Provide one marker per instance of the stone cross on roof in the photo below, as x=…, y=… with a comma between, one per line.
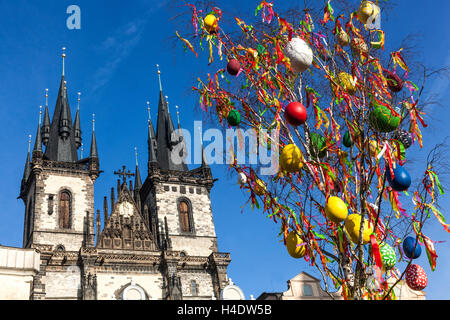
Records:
x=124, y=174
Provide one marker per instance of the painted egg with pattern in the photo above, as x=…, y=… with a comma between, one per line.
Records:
x=388, y=256
x=416, y=278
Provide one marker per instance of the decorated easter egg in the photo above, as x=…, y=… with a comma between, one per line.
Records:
x=242, y=178
x=383, y=119
x=234, y=118
x=291, y=158
x=395, y=84
x=319, y=145
x=233, y=67
x=294, y=246
x=408, y=248
x=366, y=10
x=343, y=38
x=352, y=226
x=401, y=179
x=295, y=114
x=259, y=187
x=388, y=257
x=300, y=54
x=211, y=23
x=347, y=140
x=404, y=137
x=336, y=210
x=348, y=83
x=416, y=278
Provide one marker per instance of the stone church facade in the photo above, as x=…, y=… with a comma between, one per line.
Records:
x=154, y=239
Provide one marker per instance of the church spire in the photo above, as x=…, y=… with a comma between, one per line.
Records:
x=27, y=169
x=61, y=144
x=167, y=138
x=137, y=177
x=38, y=142
x=77, y=124
x=151, y=138
x=45, y=130
x=94, y=153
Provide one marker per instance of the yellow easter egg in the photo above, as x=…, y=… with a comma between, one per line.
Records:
x=336, y=209
x=210, y=23
x=292, y=242
x=291, y=158
x=347, y=82
x=352, y=226
x=365, y=11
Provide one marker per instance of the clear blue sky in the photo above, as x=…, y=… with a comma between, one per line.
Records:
x=112, y=59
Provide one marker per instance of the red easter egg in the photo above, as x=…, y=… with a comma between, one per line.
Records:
x=416, y=278
x=295, y=114
x=233, y=67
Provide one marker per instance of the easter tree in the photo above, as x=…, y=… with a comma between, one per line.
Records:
x=345, y=113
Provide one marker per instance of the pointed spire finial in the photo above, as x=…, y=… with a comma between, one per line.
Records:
x=29, y=143
x=40, y=116
x=93, y=122
x=64, y=58
x=81, y=151
x=46, y=97
x=136, y=154
x=178, y=117
x=167, y=101
x=79, y=99
x=159, y=77
x=149, y=114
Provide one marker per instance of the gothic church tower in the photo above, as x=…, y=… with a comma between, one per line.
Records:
x=58, y=188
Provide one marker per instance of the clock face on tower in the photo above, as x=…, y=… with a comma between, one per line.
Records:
x=125, y=209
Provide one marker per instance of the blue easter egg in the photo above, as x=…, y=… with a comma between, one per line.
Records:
x=401, y=180
x=408, y=248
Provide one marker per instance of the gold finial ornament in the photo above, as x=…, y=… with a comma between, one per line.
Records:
x=64, y=58
x=93, y=122
x=159, y=77
x=149, y=114
x=79, y=99
x=81, y=151
x=46, y=97
x=40, y=115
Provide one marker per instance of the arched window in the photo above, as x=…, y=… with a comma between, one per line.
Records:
x=185, y=216
x=65, y=207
